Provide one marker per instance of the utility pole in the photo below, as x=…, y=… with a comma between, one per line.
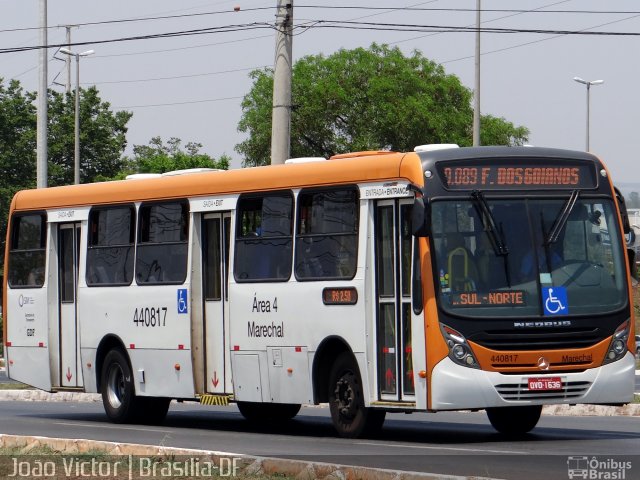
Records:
x=41, y=136
x=281, y=114
x=476, y=96
x=67, y=60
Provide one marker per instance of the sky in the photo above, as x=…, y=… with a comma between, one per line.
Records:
x=191, y=86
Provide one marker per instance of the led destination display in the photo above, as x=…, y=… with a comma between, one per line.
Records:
x=483, y=176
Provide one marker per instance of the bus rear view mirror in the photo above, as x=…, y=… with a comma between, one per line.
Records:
x=420, y=218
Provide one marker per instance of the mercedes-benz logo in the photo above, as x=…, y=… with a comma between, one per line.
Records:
x=543, y=363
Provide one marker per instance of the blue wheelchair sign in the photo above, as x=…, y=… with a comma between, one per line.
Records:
x=182, y=301
x=554, y=301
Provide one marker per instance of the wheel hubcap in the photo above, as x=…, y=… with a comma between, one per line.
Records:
x=115, y=386
x=345, y=397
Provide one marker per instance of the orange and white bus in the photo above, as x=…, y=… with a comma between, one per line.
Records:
x=439, y=279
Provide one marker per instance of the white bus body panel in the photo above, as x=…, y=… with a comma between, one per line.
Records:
x=155, y=349
x=28, y=333
x=455, y=387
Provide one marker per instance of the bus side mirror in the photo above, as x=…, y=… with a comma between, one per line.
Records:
x=420, y=218
x=626, y=226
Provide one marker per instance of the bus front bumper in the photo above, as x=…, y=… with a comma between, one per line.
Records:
x=454, y=387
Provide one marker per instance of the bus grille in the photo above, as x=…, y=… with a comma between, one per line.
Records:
x=541, y=339
x=520, y=391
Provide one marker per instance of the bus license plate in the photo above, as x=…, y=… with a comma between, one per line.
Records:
x=545, y=384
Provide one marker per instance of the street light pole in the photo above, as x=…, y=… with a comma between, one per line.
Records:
x=76, y=157
x=588, y=84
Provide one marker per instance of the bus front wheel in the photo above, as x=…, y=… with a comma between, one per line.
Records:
x=514, y=420
x=350, y=417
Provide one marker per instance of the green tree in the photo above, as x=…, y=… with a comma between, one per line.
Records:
x=17, y=147
x=102, y=141
x=367, y=99
x=159, y=158
x=102, y=138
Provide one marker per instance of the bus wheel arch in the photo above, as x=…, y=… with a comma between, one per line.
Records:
x=108, y=343
x=325, y=356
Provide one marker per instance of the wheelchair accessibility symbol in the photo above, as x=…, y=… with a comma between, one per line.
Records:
x=182, y=301
x=554, y=301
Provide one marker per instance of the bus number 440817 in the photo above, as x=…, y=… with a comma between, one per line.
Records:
x=150, y=317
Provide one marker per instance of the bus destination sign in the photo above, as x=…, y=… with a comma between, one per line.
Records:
x=485, y=176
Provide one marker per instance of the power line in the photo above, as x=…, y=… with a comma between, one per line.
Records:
x=179, y=103
x=182, y=48
x=482, y=10
x=221, y=72
x=346, y=25
x=334, y=7
x=538, y=41
x=141, y=19
x=483, y=22
x=404, y=27
x=181, y=33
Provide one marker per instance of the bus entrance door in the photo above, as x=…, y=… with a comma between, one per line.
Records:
x=215, y=260
x=393, y=245
x=68, y=254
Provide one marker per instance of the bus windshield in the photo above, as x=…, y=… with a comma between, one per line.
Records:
x=528, y=257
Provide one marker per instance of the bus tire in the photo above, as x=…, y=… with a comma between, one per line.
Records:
x=514, y=420
x=350, y=417
x=118, y=390
x=268, y=412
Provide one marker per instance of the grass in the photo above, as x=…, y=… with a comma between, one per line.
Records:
x=15, y=386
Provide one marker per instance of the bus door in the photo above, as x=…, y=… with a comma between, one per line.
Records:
x=393, y=252
x=68, y=255
x=215, y=260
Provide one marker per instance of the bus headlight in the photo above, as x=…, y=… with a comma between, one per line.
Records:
x=459, y=350
x=618, y=345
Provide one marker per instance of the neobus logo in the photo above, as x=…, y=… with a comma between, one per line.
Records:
x=543, y=324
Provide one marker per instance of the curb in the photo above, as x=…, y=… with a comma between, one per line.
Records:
x=631, y=409
x=248, y=465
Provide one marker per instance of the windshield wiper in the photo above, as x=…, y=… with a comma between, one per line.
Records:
x=561, y=219
x=489, y=223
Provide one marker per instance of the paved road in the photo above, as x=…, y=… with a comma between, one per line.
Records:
x=445, y=443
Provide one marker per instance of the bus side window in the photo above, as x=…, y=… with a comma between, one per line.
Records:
x=27, y=251
x=327, y=234
x=162, y=243
x=110, y=246
x=264, y=237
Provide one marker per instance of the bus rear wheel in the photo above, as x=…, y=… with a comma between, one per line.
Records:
x=514, y=420
x=118, y=391
x=350, y=417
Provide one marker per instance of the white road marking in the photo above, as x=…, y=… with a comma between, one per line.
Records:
x=425, y=447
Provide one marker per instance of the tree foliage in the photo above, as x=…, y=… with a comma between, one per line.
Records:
x=367, y=99
x=159, y=158
x=102, y=141
x=17, y=147
x=102, y=138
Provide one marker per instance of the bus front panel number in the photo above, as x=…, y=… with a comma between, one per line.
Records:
x=150, y=316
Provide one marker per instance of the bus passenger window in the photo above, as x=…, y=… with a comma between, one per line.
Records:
x=327, y=234
x=110, y=246
x=263, y=238
x=162, y=243
x=27, y=251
